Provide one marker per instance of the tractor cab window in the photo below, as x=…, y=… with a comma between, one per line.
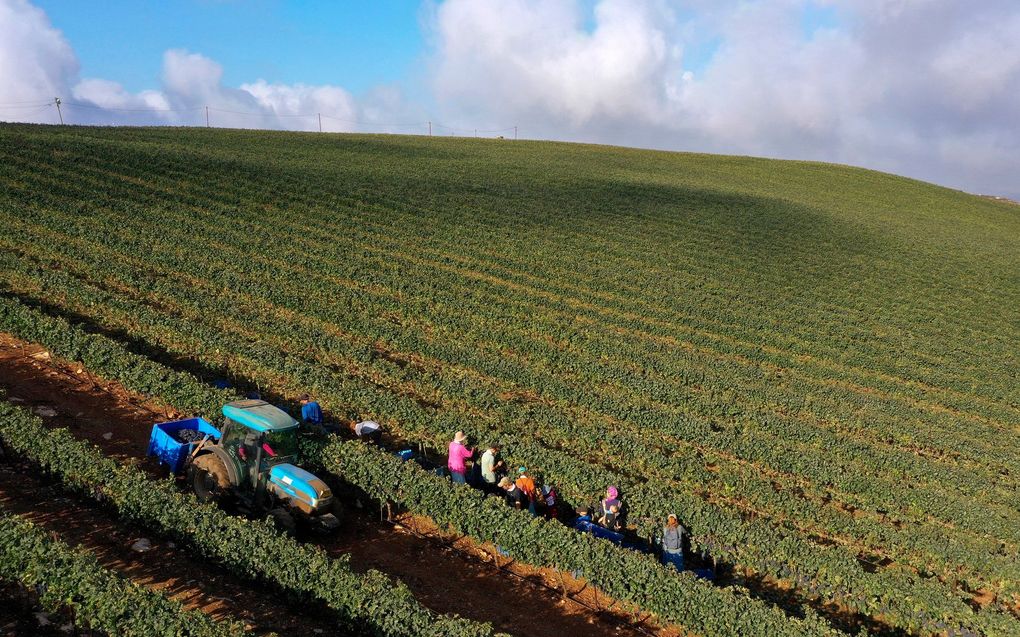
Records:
x=234, y=434
x=280, y=444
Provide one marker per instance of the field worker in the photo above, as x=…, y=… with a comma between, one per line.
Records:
x=527, y=485
x=673, y=543
x=612, y=498
x=552, y=510
x=491, y=464
x=368, y=431
x=514, y=496
x=456, y=461
x=311, y=412
x=611, y=518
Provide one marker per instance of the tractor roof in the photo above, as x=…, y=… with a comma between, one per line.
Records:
x=258, y=415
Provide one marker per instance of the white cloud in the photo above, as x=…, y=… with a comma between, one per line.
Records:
x=926, y=88
x=37, y=64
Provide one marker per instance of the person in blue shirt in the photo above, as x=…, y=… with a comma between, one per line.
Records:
x=310, y=411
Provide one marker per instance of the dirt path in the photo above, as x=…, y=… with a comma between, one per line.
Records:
x=444, y=579
x=165, y=567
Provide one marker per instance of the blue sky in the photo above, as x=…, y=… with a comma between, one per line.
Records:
x=355, y=44
x=358, y=45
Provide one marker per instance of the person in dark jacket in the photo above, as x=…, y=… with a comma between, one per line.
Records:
x=514, y=494
x=673, y=543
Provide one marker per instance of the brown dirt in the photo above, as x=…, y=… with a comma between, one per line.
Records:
x=447, y=579
x=196, y=584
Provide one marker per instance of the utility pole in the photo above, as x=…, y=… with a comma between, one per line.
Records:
x=56, y=100
x=320, y=122
x=515, y=133
x=207, y=117
x=430, y=129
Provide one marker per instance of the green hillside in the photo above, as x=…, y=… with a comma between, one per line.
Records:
x=815, y=366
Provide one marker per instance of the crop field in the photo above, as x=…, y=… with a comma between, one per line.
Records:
x=814, y=366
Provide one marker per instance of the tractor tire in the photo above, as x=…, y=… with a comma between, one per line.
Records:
x=209, y=479
x=283, y=520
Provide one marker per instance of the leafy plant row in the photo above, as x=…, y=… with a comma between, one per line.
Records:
x=820, y=572
x=782, y=448
x=624, y=574
x=100, y=598
x=629, y=576
x=366, y=604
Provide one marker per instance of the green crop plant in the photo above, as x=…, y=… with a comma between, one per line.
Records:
x=100, y=599
x=812, y=364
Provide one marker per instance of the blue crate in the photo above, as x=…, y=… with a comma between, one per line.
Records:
x=171, y=451
x=405, y=454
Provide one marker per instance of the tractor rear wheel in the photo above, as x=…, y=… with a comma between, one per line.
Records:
x=209, y=479
x=283, y=520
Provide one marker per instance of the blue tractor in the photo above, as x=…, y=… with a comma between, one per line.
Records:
x=249, y=462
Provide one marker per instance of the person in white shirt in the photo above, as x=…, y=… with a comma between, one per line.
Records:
x=369, y=431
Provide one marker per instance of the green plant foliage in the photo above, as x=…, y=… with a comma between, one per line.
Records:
x=814, y=366
x=101, y=599
x=366, y=604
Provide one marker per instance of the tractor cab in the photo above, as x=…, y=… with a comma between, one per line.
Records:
x=258, y=436
x=262, y=442
x=251, y=460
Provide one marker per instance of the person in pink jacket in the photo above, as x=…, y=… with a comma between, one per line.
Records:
x=459, y=453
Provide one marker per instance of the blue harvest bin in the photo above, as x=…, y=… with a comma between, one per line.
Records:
x=405, y=454
x=170, y=451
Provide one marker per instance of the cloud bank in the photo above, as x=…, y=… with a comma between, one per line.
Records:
x=929, y=88
x=924, y=88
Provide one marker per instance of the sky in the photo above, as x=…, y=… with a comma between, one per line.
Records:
x=924, y=88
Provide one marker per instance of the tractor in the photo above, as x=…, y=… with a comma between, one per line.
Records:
x=250, y=463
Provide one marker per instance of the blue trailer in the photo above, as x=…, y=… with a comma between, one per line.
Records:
x=167, y=446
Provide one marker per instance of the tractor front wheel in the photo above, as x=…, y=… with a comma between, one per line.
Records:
x=283, y=520
x=209, y=479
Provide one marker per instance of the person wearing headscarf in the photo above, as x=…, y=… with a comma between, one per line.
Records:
x=606, y=505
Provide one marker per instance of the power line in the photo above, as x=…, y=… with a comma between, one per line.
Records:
x=45, y=107
x=132, y=110
x=26, y=106
x=426, y=125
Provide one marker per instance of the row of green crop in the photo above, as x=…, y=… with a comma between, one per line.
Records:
x=892, y=540
x=892, y=594
x=820, y=572
x=788, y=439
x=639, y=579
x=731, y=530
x=365, y=604
x=101, y=599
x=780, y=447
x=161, y=178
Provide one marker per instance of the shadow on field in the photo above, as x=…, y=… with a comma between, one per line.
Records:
x=765, y=589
